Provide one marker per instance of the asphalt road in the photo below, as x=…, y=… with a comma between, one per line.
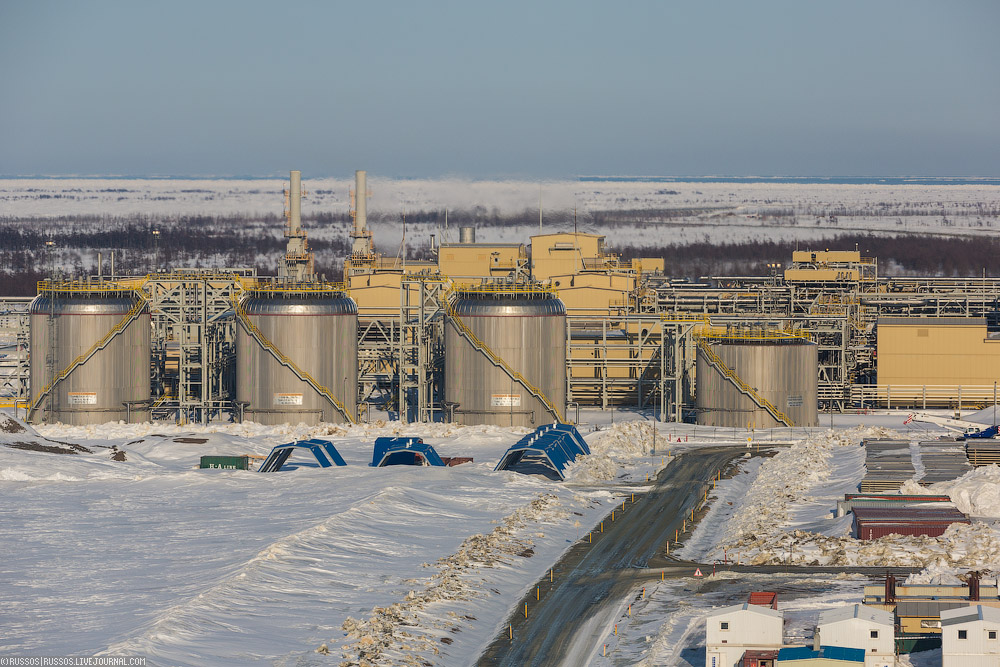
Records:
x=592, y=579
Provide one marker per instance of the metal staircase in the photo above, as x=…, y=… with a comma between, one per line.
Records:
x=251, y=328
x=497, y=361
x=744, y=388
x=132, y=314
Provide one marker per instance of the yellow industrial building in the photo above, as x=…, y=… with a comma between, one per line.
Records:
x=934, y=360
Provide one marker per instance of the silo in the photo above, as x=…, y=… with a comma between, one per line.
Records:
x=298, y=332
x=524, y=328
x=781, y=371
x=72, y=329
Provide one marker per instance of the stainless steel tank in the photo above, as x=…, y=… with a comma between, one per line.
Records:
x=112, y=384
x=318, y=332
x=528, y=331
x=783, y=371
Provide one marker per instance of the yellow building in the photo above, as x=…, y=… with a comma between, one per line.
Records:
x=936, y=359
x=825, y=266
x=480, y=260
x=565, y=254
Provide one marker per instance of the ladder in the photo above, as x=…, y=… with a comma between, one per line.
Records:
x=132, y=314
x=746, y=389
x=251, y=328
x=497, y=361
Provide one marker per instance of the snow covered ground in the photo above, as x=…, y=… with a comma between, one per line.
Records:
x=781, y=510
x=151, y=556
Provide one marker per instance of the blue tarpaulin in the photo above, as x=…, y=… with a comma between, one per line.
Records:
x=326, y=454
x=403, y=452
x=547, y=451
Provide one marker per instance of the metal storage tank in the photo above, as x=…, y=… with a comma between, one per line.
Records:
x=781, y=370
x=526, y=328
x=112, y=384
x=317, y=331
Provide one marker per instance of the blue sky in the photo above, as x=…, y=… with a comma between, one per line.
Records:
x=492, y=90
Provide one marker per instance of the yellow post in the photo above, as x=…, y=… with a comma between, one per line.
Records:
x=526, y=610
x=643, y=592
x=550, y=575
x=623, y=506
x=590, y=537
x=633, y=497
x=510, y=631
x=630, y=611
x=537, y=592
x=602, y=526
x=661, y=576
x=616, y=629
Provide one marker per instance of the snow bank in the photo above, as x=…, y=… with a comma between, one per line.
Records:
x=615, y=448
x=977, y=492
x=783, y=482
x=397, y=634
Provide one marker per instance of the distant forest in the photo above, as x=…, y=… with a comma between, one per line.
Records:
x=901, y=255
x=206, y=241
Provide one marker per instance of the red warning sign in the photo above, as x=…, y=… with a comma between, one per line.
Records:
x=698, y=573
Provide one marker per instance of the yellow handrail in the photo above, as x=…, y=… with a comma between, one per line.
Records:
x=731, y=375
x=252, y=329
x=498, y=361
x=99, y=345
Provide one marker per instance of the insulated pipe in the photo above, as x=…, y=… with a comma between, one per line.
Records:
x=360, y=201
x=295, y=202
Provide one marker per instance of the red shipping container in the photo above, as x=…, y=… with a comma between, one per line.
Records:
x=764, y=599
x=874, y=522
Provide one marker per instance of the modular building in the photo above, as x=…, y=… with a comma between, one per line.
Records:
x=732, y=631
x=860, y=627
x=969, y=637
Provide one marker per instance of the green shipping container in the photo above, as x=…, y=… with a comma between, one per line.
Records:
x=227, y=462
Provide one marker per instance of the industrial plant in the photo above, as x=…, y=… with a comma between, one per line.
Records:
x=508, y=334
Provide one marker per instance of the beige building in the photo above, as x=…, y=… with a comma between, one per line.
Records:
x=480, y=260
x=932, y=360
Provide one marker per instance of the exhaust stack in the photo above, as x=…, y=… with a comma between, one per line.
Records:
x=297, y=265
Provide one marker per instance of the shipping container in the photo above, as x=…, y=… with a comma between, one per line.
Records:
x=764, y=599
x=226, y=462
x=874, y=522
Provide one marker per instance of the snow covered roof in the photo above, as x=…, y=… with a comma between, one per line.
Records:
x=859, y=611
x=746, y=606
x=970, y=614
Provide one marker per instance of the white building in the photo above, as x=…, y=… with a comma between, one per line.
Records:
x=858, y=626
x=731, y=631
x=969, y=637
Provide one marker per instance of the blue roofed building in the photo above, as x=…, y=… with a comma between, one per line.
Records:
x=824, y=656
